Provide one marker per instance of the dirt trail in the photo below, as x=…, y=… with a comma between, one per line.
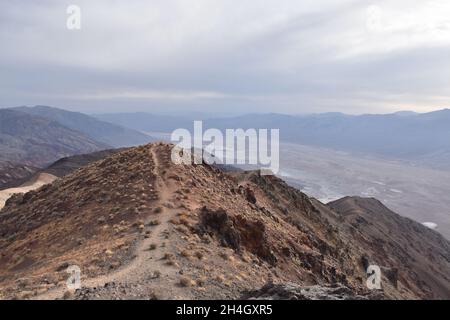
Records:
x=146, y=262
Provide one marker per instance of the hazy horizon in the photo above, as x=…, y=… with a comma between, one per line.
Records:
x=221, y=113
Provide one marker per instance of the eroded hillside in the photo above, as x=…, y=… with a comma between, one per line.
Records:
x=141, y=227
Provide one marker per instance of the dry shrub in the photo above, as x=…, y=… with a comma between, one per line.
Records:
x=187, y=282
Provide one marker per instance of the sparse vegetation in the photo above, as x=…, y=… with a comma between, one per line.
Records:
x=154, y=223
x=187, y=282
x=199, y=255
x=101, y=220
x=224, y=255
x=157, y=210
x=68, y=295
x=169, y=256
x=155, y=274
x=220, y=278
x=184, y=220
x=185, y=253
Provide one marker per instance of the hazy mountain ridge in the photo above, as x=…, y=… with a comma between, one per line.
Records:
x=38, y=141
x=147, y=122
x=424, y=138
x=110, y=134
x=412, y=137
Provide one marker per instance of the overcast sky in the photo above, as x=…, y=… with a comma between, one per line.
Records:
x=285, y=56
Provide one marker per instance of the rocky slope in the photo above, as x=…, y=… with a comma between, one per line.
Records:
x=392, y=240
x=292, y=291
x=140, y=227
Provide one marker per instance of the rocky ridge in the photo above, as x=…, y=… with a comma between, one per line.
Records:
x=140, y=227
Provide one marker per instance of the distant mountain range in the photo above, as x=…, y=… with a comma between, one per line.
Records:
x=424, y=138
x=39, y=135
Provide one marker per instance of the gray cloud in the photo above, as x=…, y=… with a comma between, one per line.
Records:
x=283, y=56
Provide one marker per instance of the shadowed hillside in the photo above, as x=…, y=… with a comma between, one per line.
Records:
x=104, y=132
x=37, y=141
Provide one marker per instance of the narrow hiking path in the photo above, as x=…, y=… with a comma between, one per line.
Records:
x=149, y=263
